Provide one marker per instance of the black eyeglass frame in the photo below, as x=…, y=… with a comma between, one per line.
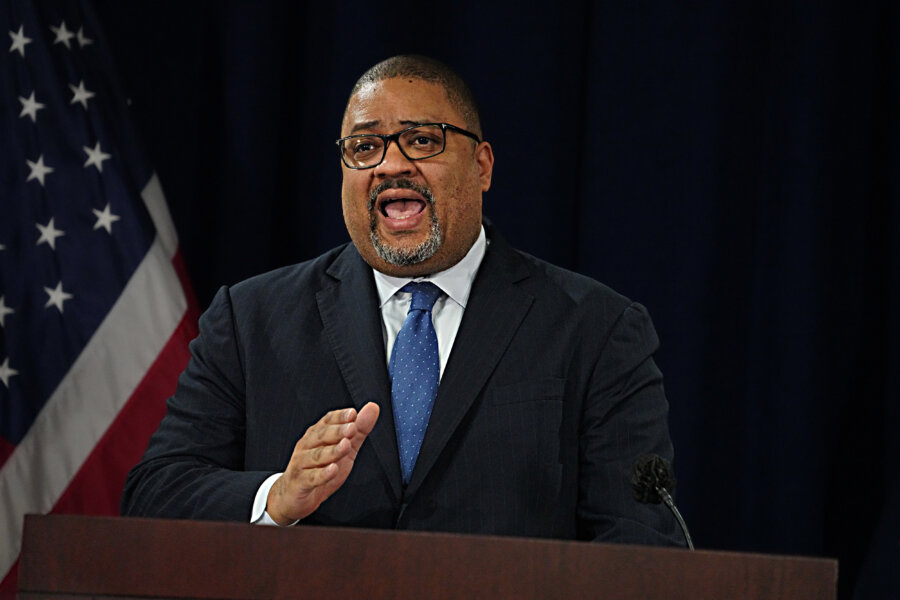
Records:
x=395, y=137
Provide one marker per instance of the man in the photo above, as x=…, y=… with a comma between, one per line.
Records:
x=547, y=388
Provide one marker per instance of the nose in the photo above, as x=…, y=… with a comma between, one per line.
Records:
x=395, y=163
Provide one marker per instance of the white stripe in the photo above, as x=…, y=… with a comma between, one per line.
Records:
x=98, y=385
x=159, y=212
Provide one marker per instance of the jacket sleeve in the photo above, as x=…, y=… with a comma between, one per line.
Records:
x=625, y=417
x=194, y=465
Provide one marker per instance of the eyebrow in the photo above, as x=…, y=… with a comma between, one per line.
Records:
x=363, y=125
x=375, y=123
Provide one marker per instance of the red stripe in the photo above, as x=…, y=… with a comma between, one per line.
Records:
x=181, y=271
x=8, y=585
x=6, y=450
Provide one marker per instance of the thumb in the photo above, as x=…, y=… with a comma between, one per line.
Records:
x=367, y=417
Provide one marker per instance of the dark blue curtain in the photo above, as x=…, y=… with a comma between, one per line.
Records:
x=735, y=166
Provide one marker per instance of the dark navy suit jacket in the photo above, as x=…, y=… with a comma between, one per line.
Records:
x=549, y=396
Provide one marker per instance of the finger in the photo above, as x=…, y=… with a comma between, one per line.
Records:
x=310, y=479
x=322, y=456
x=319, y=435
x=365, y=422
x=336, y=417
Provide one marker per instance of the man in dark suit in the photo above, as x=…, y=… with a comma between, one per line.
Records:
x=536, y=393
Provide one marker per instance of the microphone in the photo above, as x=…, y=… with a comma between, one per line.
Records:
x=651, y=480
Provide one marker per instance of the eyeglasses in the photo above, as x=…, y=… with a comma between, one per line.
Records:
x=425, y=140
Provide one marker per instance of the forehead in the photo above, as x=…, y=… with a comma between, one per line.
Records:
x=387, y=105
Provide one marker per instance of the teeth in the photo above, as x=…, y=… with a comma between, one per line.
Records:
x=398, y=218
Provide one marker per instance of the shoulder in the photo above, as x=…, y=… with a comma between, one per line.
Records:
x=289, y=282
x=285, y=291
x=575, y=285
x=549, y=283
x=287, y=298
x=561, y=296
x=609, y=323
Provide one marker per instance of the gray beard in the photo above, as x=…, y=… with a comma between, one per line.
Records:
x=400, y=257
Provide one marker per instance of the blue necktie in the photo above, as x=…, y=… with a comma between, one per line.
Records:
x=415, y=371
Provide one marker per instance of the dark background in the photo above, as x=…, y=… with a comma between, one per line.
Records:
x=735, y=166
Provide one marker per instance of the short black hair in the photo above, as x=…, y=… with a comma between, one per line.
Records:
x=427, y=69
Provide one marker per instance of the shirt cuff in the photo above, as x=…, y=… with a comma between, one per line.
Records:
x=258, y=514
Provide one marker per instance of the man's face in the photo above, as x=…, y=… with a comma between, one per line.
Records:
x=413, y=218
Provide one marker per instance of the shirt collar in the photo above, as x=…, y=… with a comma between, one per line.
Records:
x=456, y=281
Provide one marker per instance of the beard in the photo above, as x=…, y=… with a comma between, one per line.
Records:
x=404, y=257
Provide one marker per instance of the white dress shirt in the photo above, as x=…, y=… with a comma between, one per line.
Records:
x=447, y=314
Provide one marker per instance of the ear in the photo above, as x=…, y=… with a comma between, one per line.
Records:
x=484, y=159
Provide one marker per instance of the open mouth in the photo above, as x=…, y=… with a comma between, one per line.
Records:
x=400, y=208
x=401, y=203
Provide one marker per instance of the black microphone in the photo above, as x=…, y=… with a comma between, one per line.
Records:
x=651, y=480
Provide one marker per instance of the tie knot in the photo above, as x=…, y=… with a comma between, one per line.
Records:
x=424, y=294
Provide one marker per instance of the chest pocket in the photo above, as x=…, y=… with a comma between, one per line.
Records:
x=532, y=413
x=529, y=391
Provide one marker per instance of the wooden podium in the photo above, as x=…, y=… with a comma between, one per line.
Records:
x=69, y=557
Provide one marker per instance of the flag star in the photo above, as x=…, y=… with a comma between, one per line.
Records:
x=95, y=157
x=4, y=310
x=30, y=106
x=18, y=41
x=57, y=297
x=49, y=233
x=83, y=40
x=38, y=169
x=105, y=219
x=80, y=94
x=63, y=35
x=6, y=372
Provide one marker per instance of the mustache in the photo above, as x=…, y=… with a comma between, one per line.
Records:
x=403, y=184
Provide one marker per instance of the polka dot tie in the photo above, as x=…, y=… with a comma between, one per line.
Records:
x=415, y=371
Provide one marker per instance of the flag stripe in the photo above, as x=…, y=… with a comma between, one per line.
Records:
x=125, y=441
x=6, y=449
x=155, y=201
x=8, y=584
x=82, y=407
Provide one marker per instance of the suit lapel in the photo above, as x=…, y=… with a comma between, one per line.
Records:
x=352, y=322
x=493, y=314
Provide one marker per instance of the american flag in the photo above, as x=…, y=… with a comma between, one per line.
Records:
x=95, y=310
